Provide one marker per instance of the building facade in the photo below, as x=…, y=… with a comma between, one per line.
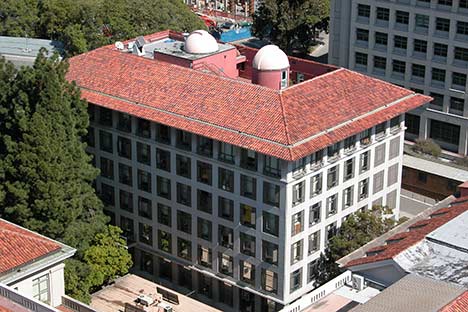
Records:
x=419, y=44
x=210, y=195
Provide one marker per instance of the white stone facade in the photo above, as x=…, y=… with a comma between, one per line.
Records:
x=192, y=224
x=419, y=44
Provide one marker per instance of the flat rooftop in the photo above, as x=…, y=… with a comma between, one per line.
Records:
x=127, y=288
x=175, y=48
x=23, y=51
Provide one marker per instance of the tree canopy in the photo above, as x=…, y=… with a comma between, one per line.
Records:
x=86, y=24
x=290, y=24
x=45, y=172
x=359, y=229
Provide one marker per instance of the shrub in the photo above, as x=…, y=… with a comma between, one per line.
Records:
x=427, y=147
x=462, y=161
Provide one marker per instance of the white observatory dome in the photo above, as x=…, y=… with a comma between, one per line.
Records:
x=270, y=57
x=200, y=42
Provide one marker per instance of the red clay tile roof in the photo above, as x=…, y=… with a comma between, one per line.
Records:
x=460, y=304
x=287, y=124
x=19, y=246
x=415, y=235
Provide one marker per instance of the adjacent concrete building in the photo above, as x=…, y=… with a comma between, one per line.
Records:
x=229, y=188
x=419, y=44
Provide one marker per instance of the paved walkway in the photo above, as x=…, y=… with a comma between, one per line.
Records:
x=411, y=204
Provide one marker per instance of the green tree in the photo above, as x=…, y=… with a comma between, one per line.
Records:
x=46, y=175
x=290, y=24
x=327, y=268
x=359, y=229
x=87, y=24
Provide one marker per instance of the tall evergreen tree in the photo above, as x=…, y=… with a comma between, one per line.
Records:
x=290, y=24
x=46, y=175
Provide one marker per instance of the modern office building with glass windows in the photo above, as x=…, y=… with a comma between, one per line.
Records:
x=228, y=171
x=421, y=45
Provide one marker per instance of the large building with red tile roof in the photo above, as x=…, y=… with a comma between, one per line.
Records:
x=229, y=168
x=31, y=265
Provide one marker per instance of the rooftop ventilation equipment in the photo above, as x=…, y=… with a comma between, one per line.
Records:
x=140, y=42
x=144, y=300
x=119, y=46
x=358, y=282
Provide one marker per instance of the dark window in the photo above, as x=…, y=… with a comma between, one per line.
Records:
x=412, y=123
x=144, y=181
x=381, y=38
x=380, y=62
x=204, y=172
x=144, y=153
x=461, y=54
x=440, y=49
x=107, y=168
x=383, y=14
x=105, y=141
x=184, y=222
x=400, y=42
x=205, y=146
x=247, y=244
x=271, y=194
x=164, y=215
x=105, y=116
x=107, y=194
x=362, y=34
x=184, y=194
x=124, y=147
x=226, y=236
x=444, y=131
x=226, y=208
x=422, y=177
x=463, y=4
x=438, y=74
x=90, y=137
x=163, y=186
x=204, y=201
x=163, y=160
x=361, y=58
x=456, y=105
x=402, y=17
x=146, y=233
x=184, y=249
x=248, y=187
x=363, y=10
x=226, y=180
x=442, y=24
x=163, y=134
x=422, y=21
x=226, y=152
x=204, y=229
x=144, y=208
x=143, y=128
x=184, y=140
x=183, y=166
x=249, y=159
x=124, y=123
x=399, y=66
x=418, y=70
x=126, y=200
x=270, y=223
x=125, y=174
x=420, y=46
x=462, y=28
x=459, y=79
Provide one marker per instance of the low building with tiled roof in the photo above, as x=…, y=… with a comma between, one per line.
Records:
x=460, y=304
x=32, y=265
x=229, y=168
x=435, y=247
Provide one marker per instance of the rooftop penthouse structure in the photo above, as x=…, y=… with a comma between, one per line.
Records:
x=229, y=168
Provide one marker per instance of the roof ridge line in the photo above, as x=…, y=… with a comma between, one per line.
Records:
x=312, y=79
